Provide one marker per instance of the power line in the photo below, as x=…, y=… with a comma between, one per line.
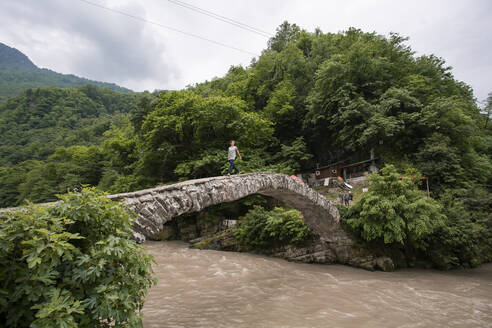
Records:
x=168, y=27
x=222, y=18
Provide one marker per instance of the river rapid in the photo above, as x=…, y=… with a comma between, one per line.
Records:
x=201, y=288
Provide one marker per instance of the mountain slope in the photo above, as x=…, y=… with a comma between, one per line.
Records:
x=36, y=122
x=18, y=72
x=11, y=58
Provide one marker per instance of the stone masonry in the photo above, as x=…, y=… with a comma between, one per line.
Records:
x=156, y=206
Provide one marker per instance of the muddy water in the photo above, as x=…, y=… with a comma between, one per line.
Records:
x=223, y=289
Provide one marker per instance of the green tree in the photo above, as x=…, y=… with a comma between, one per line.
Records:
x=465, y=240
x=296, y=156
x=67, y=169
x=286, y=33
x=10, y=179
x=488, y=110
x=395, y=212
x=280, y=110
x=189, y=130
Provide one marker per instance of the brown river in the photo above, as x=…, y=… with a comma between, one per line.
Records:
x=199, y=288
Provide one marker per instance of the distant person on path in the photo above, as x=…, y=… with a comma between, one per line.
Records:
x=340, y=197
x=231, y=156
x=346, y=199
x=351, y=198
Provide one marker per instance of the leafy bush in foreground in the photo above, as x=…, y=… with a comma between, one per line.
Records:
x=72, y=265
x=262, y=228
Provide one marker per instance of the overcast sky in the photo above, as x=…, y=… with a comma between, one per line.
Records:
x=70, y=36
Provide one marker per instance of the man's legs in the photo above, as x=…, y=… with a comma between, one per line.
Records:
x=232, y=166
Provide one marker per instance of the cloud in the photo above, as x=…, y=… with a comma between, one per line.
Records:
x=90, y=41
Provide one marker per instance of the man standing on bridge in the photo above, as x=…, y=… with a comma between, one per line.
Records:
x=231, y=156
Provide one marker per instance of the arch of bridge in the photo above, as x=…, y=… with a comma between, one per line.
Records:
x=156, y=206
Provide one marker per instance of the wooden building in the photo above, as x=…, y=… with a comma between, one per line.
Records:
x=342, y=169
x=346, y=170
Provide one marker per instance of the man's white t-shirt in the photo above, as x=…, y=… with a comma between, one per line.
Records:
x=232, y=153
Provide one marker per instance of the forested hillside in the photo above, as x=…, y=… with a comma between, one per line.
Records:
x=40, y=123
x=33, y=124
x=309, y=98
x=18, y=73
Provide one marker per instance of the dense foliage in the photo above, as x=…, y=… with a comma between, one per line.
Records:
x=465, y=238
x=18, y=73
x=263, y=229
x=394, y=211
x=33, y=124
x=72, y=265
x=394, y=215
x=49, y=139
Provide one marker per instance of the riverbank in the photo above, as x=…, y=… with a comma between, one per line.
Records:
x=314, y=250
x=201, y=288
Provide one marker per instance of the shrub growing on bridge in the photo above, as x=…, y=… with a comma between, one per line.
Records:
x=72, y=265
x=262, y=228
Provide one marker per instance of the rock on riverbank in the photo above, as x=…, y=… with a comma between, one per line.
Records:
x=340, y=249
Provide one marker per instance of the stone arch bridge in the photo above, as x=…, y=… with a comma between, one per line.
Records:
x=159, y=205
